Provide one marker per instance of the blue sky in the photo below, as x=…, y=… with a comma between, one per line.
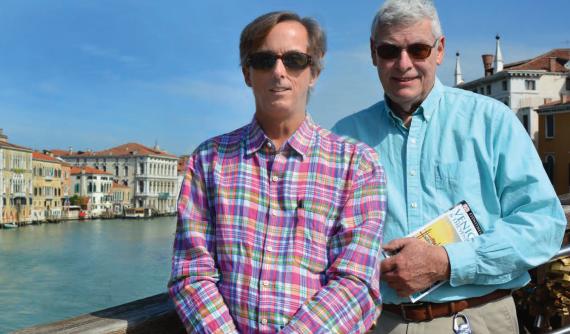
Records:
x=92, y=74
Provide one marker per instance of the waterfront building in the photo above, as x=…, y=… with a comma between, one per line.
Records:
x=150, y=173
x=65, y=182
x=95, y=185
x=121, y=197
x=522, y=85
x=15, y=182
x=554, y=142
x=47, y=188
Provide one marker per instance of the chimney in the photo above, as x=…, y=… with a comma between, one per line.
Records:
x=552, y=64
x=70, y=150
x=3, y=137
x=488, y=64
x=564, y=98
x=547, y=100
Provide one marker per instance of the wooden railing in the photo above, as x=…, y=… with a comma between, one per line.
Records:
x=145, y=316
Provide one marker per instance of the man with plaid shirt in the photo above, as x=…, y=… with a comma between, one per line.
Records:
x=280, y=221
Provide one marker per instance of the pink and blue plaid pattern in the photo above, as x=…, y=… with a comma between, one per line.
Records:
x=279, y=241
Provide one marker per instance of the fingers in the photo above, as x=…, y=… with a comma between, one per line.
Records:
x=394, y=245
x=387, y=265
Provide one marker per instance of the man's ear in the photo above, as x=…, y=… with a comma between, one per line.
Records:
x=245, y=71
x=440, y=50
x=314, y=79
x=373, y=53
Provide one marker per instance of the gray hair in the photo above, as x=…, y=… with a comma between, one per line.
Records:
x=406, y=12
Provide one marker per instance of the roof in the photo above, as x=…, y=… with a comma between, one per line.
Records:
x=15, y=147
x=88, y=170
x=542, y=62
x=129, y=149
x=560, y=106
x=61, y=153
x=44, y=157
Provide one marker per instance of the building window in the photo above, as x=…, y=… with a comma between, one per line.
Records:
x=530, y=84
x=568, y=83
x=126, y=170
x=525, y=122
x=116, y=170
x=549, y=126
x=482, y=90
x=549, y=168
x=488, y=89
x=504, y=84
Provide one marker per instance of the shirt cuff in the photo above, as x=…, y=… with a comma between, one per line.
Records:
x=462, y=263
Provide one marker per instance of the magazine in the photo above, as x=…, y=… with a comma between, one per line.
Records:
x=456, y=224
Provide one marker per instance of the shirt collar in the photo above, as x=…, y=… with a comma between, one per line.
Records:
x=431, y=103
x=300, y=141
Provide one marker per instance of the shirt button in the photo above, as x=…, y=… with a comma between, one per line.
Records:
x=275, y=178
x=265, y=283
x=269, y=249
x=414, y=205
x=413, y=172
x=413, y=140
x=264, y=321
x=274, y=213
x=269, y=145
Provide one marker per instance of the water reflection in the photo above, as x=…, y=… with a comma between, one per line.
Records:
x=54, y=271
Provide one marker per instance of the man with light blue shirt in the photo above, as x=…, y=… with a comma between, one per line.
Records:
x=439, y=146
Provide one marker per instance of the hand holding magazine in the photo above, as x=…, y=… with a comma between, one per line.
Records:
x=455, y=225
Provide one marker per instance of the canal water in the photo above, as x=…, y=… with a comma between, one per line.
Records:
x=51, y=272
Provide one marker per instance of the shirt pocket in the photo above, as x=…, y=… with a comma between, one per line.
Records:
x=310, y=241
x=458, y=179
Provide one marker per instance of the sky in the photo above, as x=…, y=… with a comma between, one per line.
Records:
x=94, y=74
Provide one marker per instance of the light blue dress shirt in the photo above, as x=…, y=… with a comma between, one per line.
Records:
x=464, y=146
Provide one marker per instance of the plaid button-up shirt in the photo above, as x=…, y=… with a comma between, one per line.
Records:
x=284, y=240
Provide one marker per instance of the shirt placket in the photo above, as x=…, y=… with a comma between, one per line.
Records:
x=412, y=170
x=267, y=302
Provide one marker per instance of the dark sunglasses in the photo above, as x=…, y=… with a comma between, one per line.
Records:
x=265, y=60
x=417, y=50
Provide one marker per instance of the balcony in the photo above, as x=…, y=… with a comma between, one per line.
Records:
x=18, y=195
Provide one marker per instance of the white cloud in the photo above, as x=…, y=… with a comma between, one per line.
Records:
x=97, y=51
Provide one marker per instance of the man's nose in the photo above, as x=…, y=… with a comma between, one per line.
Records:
x=279, y=69
x=404, y=61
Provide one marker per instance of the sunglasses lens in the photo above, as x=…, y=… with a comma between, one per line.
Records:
x=262, y=60
x=266, y=60
x=388, y=51
x=416, y=51
x=419, y=51
x=296, y=60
